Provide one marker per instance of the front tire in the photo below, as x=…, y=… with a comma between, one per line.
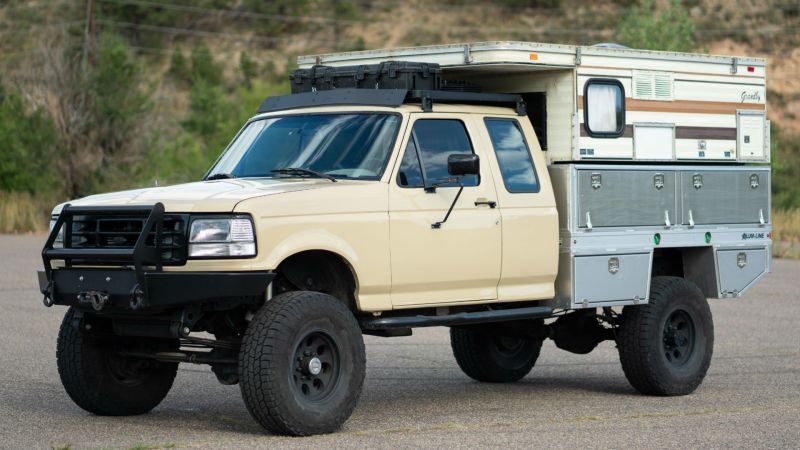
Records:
x=302, y=364
x=101, y=381
x=487, y=355
x=665, y=346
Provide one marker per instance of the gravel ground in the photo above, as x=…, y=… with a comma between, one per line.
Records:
x=415, y=395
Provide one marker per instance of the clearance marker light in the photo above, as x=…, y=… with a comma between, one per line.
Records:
x=751, y=69
x=534, y=56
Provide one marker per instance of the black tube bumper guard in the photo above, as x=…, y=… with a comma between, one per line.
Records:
x=137, y=280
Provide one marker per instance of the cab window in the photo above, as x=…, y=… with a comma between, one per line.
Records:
x=513, y=155
x=425, y=158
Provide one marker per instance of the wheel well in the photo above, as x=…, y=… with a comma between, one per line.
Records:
x=320, y=271
x=668, y=262
x=695, y=264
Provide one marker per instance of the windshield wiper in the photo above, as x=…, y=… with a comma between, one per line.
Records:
x=299, y=171
x=219, y=176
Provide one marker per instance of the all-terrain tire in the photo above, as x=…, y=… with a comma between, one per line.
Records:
x=104, y=383
x=276, y=368
x=665, y=346
x=488, y=356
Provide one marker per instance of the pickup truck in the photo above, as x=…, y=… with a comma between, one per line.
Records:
x=343, y=212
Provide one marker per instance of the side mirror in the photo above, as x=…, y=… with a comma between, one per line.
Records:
x=463, y=164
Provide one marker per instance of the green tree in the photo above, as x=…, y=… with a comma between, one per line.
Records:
x=204, y=68
x=118, y=100
x=179, y=67
x=669, y=29
x=249, y=69
x=785, y=168
x=211, y=117
x=153, y=14
x=101, y=111
x=283, y=12
x=28, y=140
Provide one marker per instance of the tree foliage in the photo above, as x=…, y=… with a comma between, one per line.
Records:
x=28, y=140
x=118, y=99
x=785, y=168
x=647, y=28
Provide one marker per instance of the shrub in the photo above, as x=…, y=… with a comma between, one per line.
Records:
x=28, y=140
x=669, y=29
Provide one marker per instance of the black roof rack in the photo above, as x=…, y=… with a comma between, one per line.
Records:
x=389, y=98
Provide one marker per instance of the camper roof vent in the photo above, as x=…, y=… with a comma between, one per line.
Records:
x=649, y=85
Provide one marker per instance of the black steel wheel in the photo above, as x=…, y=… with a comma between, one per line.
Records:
x=679, y=338
x=103, y=381
x=317, y=366
x=666, y=346
x=485, y=354
x=302, y=364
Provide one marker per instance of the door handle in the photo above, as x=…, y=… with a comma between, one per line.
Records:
x=483, y=201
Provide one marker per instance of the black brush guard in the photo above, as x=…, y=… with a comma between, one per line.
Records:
x=137, y=279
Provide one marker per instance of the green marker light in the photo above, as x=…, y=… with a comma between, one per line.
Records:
x=708, y=237
x=657, y=238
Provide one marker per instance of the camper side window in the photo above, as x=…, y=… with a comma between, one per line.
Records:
x=604, y=108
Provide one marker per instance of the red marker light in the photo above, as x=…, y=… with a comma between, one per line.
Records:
x=769, y=235
x=751, y=69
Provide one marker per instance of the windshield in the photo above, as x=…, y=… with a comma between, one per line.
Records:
x=338, y=145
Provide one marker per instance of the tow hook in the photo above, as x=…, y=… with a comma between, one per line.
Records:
x=97, y=299
x=137, y=300
x=48, y=295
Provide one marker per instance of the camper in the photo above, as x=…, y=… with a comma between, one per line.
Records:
x=511, y=191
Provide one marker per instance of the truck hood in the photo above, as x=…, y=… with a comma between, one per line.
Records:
x=203, y=196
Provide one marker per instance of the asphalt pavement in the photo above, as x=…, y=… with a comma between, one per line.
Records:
x=416, y=396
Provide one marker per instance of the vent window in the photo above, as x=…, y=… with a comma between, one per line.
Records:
x=653, y=85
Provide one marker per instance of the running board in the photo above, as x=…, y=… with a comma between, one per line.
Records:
x=463, y=318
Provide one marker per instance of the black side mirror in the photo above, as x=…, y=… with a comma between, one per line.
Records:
x=463, y=164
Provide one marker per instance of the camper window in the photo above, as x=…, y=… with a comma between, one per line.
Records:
x=604, y=108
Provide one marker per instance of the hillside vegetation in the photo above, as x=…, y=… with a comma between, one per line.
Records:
x=110, y=94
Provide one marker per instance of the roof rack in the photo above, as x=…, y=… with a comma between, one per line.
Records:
x=388, y=98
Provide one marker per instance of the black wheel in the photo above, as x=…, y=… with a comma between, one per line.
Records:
x=302, y=364
x=665, y=346
x=485, y=354
x=102, y=382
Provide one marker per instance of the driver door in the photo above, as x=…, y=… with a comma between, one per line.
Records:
x=460, y=261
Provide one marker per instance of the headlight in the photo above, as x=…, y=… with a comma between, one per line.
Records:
x=59, y=242
x=221, y=238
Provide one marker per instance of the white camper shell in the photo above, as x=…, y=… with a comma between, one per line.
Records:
x=648, y=105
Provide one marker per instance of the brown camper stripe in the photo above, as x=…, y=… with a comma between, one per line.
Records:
x=706, y=133
x=684, y=106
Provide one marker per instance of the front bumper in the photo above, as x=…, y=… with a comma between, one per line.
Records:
x=120, y=289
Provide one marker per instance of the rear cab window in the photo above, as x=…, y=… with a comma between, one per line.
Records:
x=513, y=155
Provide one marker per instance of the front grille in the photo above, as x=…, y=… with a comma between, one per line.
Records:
x=122, y=232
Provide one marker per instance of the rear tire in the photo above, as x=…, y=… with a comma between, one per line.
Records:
x=665, y=346
x=302, y=364
x=104, y=383
x=487, y=356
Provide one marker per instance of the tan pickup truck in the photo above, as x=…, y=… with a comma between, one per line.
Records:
x=350, y=211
